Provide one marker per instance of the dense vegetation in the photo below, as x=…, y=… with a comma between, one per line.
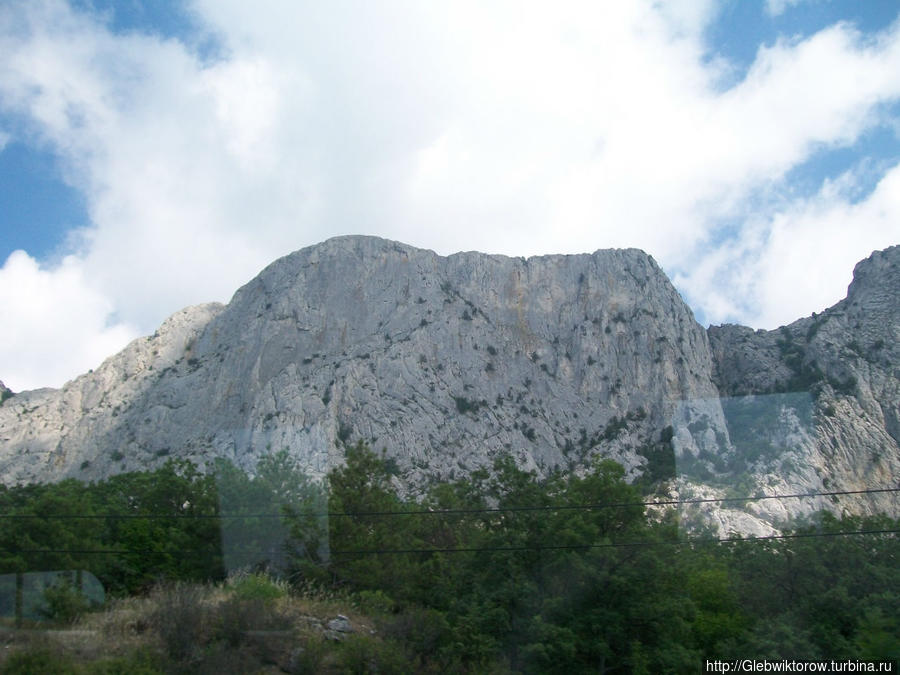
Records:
x=500, y=572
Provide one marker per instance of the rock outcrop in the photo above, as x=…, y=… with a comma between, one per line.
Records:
x=820, y=398
x=444, y=363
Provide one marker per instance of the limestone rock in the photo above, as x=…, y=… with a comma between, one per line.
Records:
x=821, y=396
x=444, y=363
x=50, y=434
x=340, y=624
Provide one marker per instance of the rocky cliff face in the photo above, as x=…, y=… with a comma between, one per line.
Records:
x=443, y=363
x=50, y=434
x=815, y=404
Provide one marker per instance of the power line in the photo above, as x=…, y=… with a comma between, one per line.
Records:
x=566, y=547
x=440, y=512
x=482, y=549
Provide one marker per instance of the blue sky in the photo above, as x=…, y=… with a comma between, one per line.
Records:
x=158, y=154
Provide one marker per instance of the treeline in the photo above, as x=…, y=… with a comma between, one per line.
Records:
x=500, y=571
x=177, y=523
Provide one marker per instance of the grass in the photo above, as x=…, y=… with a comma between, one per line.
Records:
x=251, y=623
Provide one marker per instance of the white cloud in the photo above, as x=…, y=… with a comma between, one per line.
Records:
x=4, y=139
x=510, y=127
x=800, y=259
x=778, y=7
x=812, y=248
x=166, y=151
x=56, y=325
x=824, y=90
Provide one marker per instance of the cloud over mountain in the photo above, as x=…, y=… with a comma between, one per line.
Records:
x=510, y=129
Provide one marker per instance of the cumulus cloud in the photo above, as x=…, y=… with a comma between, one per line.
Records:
x=813, y=246
x=56, y=325
x=509, y=128
x=799, y=259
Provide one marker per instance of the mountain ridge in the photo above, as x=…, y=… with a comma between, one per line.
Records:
x=446, y=362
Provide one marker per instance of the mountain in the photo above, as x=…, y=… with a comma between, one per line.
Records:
x=445, y=363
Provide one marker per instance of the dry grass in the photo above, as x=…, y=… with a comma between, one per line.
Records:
x=251, y=623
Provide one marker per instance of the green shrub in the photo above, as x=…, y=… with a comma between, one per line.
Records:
x=63, y=602
x=344, y=431
x=363, y=654
x=307, y=658
x=238, y=618
x=424, y=631
x=257, y=587
x=375, y=602
x=138, y=663
x=38, y=662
